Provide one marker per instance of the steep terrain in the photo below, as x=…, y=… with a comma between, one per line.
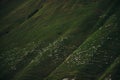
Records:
x=59, y=40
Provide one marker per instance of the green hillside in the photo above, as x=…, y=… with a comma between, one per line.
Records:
x=60, y=40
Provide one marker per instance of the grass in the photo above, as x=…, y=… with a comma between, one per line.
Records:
x=39, y=38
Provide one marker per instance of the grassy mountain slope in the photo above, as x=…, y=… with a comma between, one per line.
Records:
x=59, y=40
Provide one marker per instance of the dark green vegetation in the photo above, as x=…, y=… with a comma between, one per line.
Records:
x=59, y=40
